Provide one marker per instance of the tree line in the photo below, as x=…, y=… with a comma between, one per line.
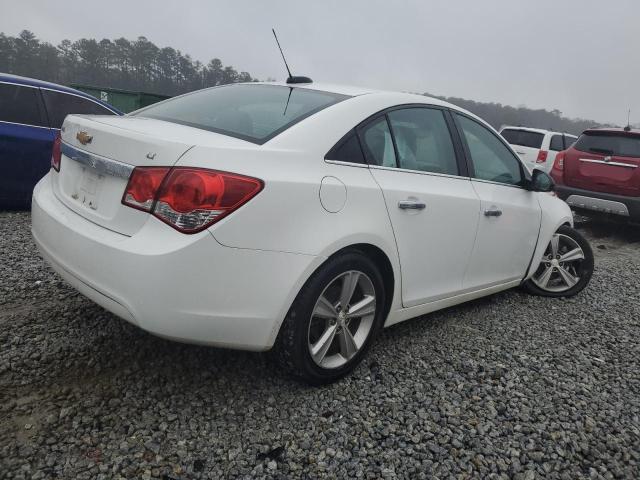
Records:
x=141, y=65
x=128, y=64
x=498, y=115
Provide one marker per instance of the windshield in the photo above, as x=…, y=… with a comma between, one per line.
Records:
x=609, y=143
x=255, y=113
x=523, y=138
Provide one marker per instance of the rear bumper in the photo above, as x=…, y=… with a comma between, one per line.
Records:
x=607, y=203
x=183, y=287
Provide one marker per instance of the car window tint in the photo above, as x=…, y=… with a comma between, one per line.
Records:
x=491, y=159
x=524, y=138
x=250, y=112
x=59, y=105
x=568, y=141
x=609, y=143
x=556, y=143
x=348, y=150
x=378, y=143
x=423, y=140
x=20, y=105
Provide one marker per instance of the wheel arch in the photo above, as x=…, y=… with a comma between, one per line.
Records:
x=389, y=270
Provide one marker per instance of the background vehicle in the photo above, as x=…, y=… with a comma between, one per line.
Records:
x=305, y=218
x=31, y=114
x=537, y=148
x=600, y=172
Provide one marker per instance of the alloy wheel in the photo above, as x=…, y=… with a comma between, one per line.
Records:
x=559, y=268
x=342, y=319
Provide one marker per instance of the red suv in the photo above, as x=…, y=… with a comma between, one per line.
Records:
x=601, y=173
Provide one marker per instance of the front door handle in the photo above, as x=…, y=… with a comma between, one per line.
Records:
x=492, y=212
x=411, y=205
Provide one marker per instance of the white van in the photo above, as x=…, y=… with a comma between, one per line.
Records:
x=536, y=147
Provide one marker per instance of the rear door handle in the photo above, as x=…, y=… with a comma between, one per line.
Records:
x=411, y=205
x=492, y=212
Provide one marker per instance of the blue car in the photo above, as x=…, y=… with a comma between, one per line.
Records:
x=31, y=114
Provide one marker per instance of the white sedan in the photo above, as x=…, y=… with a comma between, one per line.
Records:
x=301, y=218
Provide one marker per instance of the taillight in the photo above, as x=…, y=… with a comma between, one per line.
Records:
x=56, y=153
x=558, y=164
x=143, y=186
x=542, y=156
x=188, y=199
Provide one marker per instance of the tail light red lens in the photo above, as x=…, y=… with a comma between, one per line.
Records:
x=56, y=153
x=542, y=156
x=188, y=199
x=143, y=185
x=558, y=164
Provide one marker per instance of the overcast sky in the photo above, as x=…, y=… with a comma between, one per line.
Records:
x=579, y=56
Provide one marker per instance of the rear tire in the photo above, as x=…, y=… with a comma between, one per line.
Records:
x=566, y=266
x=333, y=320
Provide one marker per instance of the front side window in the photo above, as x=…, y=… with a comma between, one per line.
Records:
x=556, y=143
x=423, y=141
x=255, y=113
x=20, y=104
x=378, y=144
x=491, y=159
x=60, y=104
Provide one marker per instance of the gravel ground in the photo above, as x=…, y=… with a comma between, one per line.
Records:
x=510, y=386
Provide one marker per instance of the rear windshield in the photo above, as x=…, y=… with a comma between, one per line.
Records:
x=255, y=113
x=608, y=143
x=523, y=138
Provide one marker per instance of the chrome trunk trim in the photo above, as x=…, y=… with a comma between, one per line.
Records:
x=101, y=164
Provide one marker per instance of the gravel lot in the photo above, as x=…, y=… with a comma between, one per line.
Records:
x=511, y=386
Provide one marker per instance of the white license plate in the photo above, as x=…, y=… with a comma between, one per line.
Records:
x=88, y=189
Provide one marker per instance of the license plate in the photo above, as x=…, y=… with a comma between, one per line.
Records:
x=89, y=188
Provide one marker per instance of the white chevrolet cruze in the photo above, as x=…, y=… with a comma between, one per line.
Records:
x=301, y=217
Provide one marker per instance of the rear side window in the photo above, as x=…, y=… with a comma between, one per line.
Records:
x=609, y=143
x=556, y=143
x=423, y=141
x=59, y=105
x=21, y=105
x=378, y=144
x=255, y=113
x=524, y=138
x=568, y=141
x=348, y=150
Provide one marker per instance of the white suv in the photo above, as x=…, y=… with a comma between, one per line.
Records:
x=537, y=148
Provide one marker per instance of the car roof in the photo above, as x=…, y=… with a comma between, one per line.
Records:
x=33, y=82
x=633, y=131
x=354, y=91
x=536, y=130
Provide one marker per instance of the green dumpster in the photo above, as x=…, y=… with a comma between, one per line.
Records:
x=124, y=100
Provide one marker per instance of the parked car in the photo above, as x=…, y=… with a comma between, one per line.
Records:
x=537, y=148
x=300, y=217
x=31, y=114
x=600, y=173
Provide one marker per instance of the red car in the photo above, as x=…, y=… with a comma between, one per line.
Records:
x=600, y=172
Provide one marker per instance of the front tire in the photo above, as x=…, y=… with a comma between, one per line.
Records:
x=333, y=320
x=566, y=266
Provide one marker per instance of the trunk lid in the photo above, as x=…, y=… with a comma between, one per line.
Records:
x=606, y=163
x=99, y=154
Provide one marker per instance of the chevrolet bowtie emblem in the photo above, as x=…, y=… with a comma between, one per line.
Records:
x=83, y=137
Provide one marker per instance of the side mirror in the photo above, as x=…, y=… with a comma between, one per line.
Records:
x=541, y=182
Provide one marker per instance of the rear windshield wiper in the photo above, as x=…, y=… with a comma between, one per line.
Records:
x=601, y=150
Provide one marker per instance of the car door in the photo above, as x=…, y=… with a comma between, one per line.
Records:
x=509, y=225
x=25, y=143
x=433, y=208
